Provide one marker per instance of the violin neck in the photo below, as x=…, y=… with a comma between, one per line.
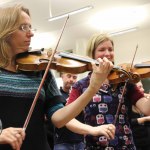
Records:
x=77, y=57
x=142, y=65
x=83, y=59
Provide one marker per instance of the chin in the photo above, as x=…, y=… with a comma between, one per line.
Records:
x=110, y=59
x=22, y=51
x=25, y=49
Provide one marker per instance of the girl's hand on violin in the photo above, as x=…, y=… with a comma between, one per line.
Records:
x=12, y=136
x=100, y=72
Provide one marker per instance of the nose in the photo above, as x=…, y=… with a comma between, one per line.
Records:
x=30, y=33
x=72, y=80
x=107, y=52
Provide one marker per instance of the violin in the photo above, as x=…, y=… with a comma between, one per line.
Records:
x=142, y=69
x=72, y=63
x=62, y=62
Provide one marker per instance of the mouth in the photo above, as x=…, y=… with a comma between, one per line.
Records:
x=110, y=59
x=27, y=42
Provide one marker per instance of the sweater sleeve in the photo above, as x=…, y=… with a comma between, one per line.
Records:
x=54, y=99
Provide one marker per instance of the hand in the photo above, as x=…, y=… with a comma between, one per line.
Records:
x=143, y=119
x=12, y=136
x=147, y=118
x=147, y=95
x=100, y=72
x=106, y=130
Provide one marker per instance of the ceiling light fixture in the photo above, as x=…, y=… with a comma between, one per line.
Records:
x=123, y=31
x=3, y=2
x=70, y=13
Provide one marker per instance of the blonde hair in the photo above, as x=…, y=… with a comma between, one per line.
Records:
x=94, y=41
x=10, y=18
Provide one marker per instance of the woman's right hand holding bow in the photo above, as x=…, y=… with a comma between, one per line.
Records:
x=12, y=136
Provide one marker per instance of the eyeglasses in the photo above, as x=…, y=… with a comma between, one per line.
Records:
x=27, y=28
x=1, y=127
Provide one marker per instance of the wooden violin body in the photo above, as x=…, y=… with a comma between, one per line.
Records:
x=38, y=62
x=142, y=70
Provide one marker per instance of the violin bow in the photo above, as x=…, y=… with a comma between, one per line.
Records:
x=43, y=79
x=123, y=92
x=134, y=56
x=120, y=101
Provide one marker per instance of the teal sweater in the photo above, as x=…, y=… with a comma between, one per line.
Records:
x=17, y=92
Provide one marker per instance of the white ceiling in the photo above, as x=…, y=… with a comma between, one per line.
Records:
x=77, y=25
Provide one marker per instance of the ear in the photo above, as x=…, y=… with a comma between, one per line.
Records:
x=8, y=38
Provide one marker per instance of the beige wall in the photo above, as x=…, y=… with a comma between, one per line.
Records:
x=125, y=46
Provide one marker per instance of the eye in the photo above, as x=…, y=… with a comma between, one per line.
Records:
x=69, y=76
x=110, y=49
x=74, y=77
x=101, y=50
x=26, y=28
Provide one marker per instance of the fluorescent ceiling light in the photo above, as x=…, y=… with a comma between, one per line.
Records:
x=118, y=18
x=3, y=2
x=123, y=31
x=70, y=13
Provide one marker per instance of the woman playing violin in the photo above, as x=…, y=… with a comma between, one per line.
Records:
x=103, y=106
x=18, y=88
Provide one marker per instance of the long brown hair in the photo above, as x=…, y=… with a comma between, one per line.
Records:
x=10, y=18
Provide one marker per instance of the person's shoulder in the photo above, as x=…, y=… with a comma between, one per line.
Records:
x=84, y=82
